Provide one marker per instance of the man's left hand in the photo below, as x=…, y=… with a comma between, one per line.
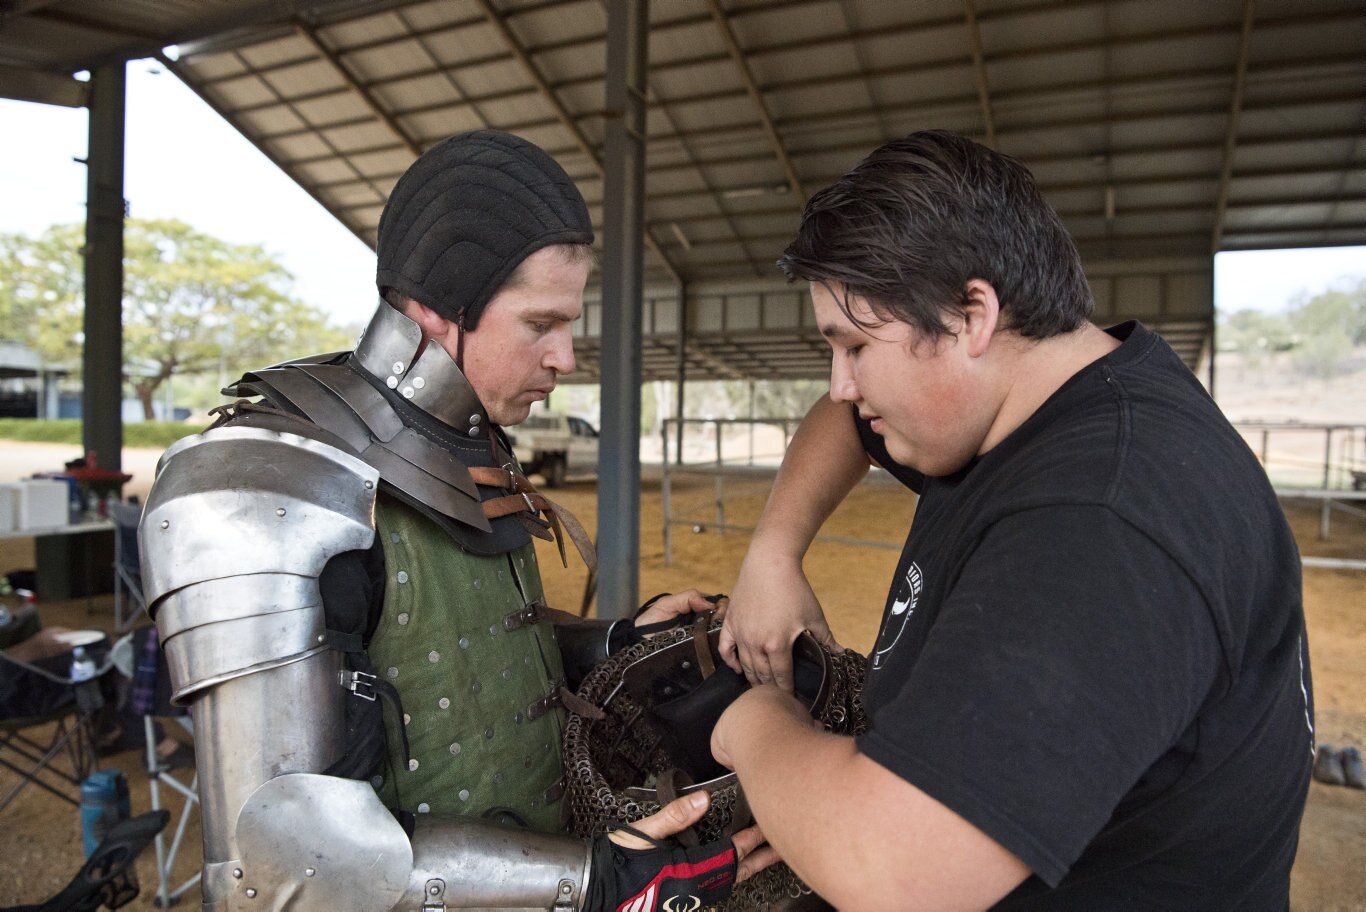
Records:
x=679, y=603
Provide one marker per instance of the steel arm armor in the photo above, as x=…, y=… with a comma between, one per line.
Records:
x=238, y=527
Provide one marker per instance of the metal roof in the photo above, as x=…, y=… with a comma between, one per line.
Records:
x=1161, y=130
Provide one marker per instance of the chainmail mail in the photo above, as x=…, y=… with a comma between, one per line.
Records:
x=603, y=758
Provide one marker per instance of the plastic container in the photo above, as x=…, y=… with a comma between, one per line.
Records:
x=83, y=669
x=104, y=802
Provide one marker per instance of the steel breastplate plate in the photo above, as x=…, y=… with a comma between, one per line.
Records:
x=420, y=460
x=466, y=681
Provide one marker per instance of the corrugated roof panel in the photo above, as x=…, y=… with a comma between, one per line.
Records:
x=329, y=172
x=354, y=196
x=496, y=76
x=305, y=79
x=475, y=41
x=215, y=66
x=270, y=120
x=299, y=145
x=386, y=163
x=684, y=42
x=683, y=81
x=363, y=30
x=242, y=91
x=573, y=64
x=270, y=53
x=357, y=136
x=389, y=61
x=434, y=125
x=561, y=21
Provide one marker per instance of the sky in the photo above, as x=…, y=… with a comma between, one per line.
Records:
x=183, y=161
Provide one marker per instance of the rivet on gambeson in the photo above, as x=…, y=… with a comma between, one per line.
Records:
x=497, y=778
x=488, y=732
x=395, y=537
x=392, y=672
x=464, y=794
x=476, y=687
x=407, y=718
x=464, y=643
x=433, y=656
x=403, y=617
x=444, y=702
x=507, y=674
x=455, y=749
x=412, y=765
x=424, y=808
x=403, y=576
x=493, y=630
x=478, y=584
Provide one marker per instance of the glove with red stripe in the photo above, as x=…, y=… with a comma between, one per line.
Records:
x=667, y=877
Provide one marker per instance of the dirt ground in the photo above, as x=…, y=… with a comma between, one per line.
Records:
x=40, y=837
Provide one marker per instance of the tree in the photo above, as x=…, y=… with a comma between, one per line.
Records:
x=1328, y=326
x=192, y=303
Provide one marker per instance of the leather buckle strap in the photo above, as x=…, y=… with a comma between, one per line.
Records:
x=359, y=683
x=563, y=696
x=523, y=617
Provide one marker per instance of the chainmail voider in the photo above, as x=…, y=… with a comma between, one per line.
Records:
x=602, y=758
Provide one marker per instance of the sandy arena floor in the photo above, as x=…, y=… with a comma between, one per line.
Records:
x=40, y=836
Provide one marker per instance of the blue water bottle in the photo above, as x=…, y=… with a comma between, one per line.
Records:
x=104, y=802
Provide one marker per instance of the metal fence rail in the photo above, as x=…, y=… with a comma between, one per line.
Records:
x=1292, y=462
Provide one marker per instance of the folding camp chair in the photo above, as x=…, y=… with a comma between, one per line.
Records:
x=48, y=720
x=152, y=698
x=129, y=605
x=107, y=879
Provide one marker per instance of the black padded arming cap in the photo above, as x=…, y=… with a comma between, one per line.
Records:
x=466, y=214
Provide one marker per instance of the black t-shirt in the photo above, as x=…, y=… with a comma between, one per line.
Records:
x=1093, y=649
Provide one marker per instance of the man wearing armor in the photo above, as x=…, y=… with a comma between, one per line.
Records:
x=344, y=581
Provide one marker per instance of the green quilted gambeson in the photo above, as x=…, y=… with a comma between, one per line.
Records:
x=466, y=682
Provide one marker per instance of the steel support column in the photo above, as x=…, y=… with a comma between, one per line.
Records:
x=681, y=367
x=102, y=363
x=623, y=215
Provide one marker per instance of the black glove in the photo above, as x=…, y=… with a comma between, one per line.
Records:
x=665, y=878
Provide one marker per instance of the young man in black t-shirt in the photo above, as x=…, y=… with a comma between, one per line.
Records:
x=1091, y=687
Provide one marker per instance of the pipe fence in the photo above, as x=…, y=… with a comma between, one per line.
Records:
x=1316, y=462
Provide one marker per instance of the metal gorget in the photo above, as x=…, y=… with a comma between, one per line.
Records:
x=407, y=410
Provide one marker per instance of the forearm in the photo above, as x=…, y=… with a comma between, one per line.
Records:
x=796, y=781
x=823, y=463
x=859, y=835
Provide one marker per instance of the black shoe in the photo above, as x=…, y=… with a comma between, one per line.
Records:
x=1328, y=766
x=1352, y=772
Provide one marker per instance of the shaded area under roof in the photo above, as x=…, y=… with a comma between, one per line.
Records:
x=1161, y=130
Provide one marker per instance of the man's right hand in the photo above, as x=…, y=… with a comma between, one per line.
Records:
x=657, y=873
x=770, y=606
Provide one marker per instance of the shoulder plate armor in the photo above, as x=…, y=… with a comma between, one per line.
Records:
x=238, y=527
x=408, y=411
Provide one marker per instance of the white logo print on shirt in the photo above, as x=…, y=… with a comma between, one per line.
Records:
x=903, y=606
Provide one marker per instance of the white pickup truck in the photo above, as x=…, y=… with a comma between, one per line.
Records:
x=556, y=446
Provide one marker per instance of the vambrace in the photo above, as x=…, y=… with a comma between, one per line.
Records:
x=321, y=844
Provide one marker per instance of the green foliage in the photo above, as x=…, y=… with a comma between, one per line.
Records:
x=147, y=434
x=192, y=303
x=1320, y=332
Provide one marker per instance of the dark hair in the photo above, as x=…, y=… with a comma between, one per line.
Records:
x=920, y=216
